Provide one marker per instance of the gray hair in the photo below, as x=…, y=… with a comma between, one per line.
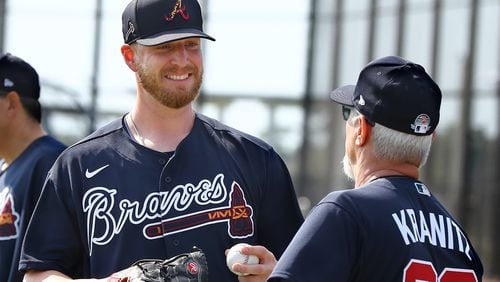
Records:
x=389, y=144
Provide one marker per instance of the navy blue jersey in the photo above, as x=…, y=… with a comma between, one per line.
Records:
x=109, y=202
x=391, y=229
x=20, y=186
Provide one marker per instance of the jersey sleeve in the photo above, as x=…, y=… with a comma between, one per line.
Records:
x=37, y=180
x=323, y=249
x=280, y=216
x=52, y=238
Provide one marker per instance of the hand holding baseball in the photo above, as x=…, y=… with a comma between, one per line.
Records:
x=235, y=256
x=244, y=260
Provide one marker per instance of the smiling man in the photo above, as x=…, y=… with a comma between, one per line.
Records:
x=163, y=178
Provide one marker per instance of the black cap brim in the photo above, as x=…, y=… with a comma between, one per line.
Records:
x=343, y=95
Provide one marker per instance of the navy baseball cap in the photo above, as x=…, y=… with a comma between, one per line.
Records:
x=395, y=93
x=17, y=75
x=153, y=22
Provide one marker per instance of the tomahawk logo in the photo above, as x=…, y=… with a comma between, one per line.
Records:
x=8, y=217
x=105, y=219
x=237, y=216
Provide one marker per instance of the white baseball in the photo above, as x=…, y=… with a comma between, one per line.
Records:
x=235, y=256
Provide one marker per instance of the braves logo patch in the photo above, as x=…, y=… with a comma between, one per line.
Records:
x=8, y=217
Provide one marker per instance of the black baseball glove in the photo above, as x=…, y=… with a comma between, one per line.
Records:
x=187, y=267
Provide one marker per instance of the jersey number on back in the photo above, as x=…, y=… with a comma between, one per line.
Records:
x=424, y=271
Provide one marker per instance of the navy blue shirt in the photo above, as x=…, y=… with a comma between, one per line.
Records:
x=109, y=202
x=20, y=186
x=391, y=229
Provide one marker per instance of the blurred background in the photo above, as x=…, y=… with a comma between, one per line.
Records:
x=270, y=72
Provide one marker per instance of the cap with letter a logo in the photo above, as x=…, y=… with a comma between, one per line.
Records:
x=153, y=22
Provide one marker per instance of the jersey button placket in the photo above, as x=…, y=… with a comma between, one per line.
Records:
x=165, y=186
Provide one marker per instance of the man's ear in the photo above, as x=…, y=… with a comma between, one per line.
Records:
x=13, y=100
x=363, y=131
x=129, y=57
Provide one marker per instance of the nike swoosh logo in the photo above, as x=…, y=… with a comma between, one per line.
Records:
x=90, y=174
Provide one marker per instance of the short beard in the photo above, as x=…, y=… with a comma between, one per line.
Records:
x=347, y=168
x=168, y=97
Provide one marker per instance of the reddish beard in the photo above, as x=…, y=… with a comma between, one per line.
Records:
x=170, y=97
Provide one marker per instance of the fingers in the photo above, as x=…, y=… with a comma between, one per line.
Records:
x=257, y=272
x=264, y=255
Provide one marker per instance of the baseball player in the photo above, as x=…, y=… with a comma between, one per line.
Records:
x=163, y=178
x=390, y=227
x=26, y=154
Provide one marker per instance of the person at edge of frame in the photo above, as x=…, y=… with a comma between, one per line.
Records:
x=26, y=154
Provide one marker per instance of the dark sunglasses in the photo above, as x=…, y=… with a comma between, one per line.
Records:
x=346, y=112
